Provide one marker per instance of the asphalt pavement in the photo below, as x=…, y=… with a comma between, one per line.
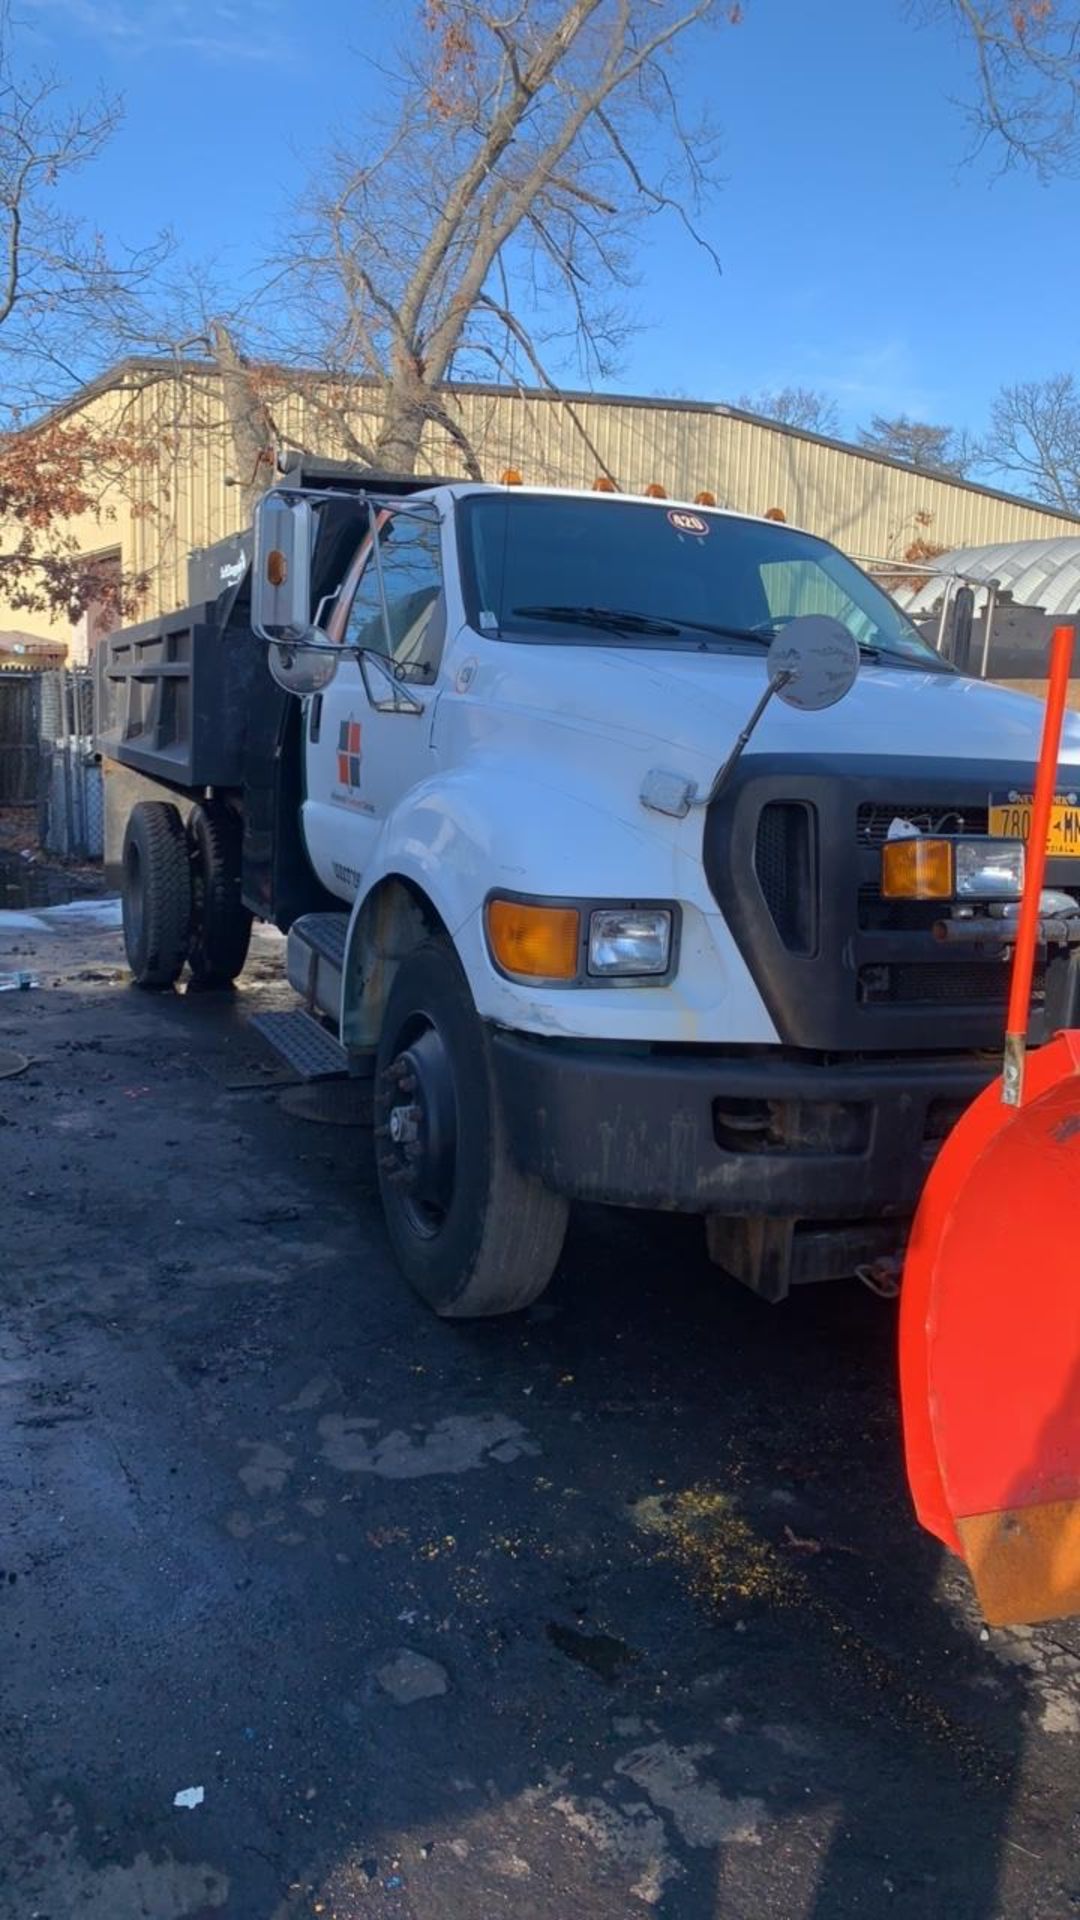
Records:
x=311, y=1604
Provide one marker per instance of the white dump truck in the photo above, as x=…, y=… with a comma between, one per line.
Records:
x=579, y=851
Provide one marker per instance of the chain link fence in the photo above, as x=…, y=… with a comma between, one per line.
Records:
x=49, y=761
x=71, y=812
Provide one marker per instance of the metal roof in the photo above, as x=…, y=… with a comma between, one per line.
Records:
x=136, y=368
x=1034, y=573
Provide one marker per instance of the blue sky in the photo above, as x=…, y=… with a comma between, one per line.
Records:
x=862, y=252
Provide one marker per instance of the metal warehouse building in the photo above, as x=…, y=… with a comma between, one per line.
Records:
x=179, y=490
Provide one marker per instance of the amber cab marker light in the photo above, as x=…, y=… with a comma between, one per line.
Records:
x=654, y=491
x=705, y=498
x=511, y=477
x=917, y=870
x=537, y=943
x=603, y=485
x=277, y=567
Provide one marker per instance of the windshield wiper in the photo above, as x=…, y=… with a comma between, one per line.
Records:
x=623, y=620
x=765, y=638
x=725, y=632
x=607, y=619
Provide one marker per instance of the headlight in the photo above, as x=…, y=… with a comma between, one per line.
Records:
x=989, y=869
x=941, y=869
x=629, y=940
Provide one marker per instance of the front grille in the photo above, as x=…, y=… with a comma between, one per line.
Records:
x=785, y=863
x=898, y=916
x=792, y=855
x=940, y=983
x=875, y=817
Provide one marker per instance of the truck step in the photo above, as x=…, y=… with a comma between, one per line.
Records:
x=303, y=1044
x=315, y=960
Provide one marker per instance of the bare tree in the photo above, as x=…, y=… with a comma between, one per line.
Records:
x=61, y=290
x=62, y=293
x=1027, y=70
x=1034, y=438
x=944, y=450
x=794, y=407
x=488, y=230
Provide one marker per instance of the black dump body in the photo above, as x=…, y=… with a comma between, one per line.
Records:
x=188, y=699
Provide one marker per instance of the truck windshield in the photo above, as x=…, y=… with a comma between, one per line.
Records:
x=559, y=568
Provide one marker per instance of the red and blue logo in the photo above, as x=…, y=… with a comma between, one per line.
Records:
x=348, y=759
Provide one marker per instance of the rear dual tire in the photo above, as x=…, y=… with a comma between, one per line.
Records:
x=220, y=922
x=156, y=894
x=181, y=895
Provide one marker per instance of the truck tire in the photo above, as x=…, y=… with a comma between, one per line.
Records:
x=472, y=1233
x=156, y=894
x=220, y=922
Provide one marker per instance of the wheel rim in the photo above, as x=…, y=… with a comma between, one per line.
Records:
x=133, y=894
x=418, y=1135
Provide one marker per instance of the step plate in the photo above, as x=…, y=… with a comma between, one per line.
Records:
x=325, y=933
x=303, y=1043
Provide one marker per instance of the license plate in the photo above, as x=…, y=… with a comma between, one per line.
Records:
x=1011, y=820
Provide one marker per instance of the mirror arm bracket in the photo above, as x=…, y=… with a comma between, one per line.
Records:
x=725, y=772
x=402, y=700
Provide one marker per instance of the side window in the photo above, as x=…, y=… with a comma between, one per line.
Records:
x=415, y=608
x=794, y=587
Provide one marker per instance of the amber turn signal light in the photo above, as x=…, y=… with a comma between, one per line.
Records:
x=917, y=869
x=533, y=942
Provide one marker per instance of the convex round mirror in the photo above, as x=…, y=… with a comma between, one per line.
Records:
x=815, y=659
x=301, y=668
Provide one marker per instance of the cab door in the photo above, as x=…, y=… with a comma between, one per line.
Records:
x=369, y=734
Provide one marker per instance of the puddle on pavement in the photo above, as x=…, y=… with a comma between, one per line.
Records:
x=330, y=1103
x=600, y=1652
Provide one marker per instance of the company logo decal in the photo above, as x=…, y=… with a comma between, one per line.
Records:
x=348, y=759
x=687, y=522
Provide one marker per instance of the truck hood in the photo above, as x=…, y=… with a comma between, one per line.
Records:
x=690, y=704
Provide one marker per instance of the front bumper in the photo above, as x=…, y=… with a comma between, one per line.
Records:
x=700, y=1131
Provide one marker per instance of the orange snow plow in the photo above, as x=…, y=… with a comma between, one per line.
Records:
x=990, y=1303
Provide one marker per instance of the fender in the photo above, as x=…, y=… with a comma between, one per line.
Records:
x=495, y=824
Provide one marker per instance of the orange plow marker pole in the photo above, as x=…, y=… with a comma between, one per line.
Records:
x=990, y=1308
x=1016, y=1024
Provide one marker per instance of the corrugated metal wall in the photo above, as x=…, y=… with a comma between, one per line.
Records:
x=182, y=498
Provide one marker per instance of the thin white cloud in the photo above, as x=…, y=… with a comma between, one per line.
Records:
x=863, y=378
x=209, y=29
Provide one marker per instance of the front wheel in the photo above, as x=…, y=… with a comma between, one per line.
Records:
x=472, y=1233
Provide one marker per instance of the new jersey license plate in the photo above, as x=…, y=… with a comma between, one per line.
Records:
x=1010, y=819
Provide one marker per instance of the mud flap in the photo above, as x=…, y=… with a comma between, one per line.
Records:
x=990, y=1343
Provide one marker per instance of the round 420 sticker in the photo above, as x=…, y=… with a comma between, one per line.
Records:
x=684, y=522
